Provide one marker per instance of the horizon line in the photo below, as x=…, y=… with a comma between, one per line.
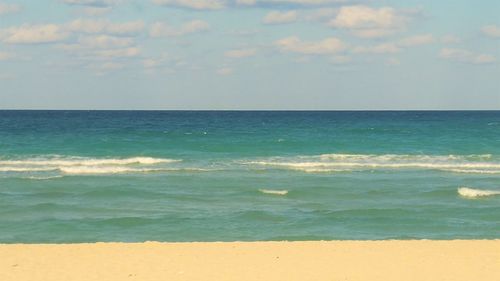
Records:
x=258, y=110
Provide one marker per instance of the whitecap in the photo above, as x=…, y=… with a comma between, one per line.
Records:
x=474, y=193
x=84, y=165
x=274, y=191
x=83, y=161
x=357, y=162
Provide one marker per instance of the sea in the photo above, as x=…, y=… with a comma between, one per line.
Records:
x=133, y=176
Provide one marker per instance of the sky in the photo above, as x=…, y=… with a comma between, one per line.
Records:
x=250, y=54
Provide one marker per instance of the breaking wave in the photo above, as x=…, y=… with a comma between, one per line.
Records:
x=475, y=193
x=481, y=164
x=274, y=192
x=73, y=165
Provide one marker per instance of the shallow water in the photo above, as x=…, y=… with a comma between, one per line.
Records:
x=78, y=176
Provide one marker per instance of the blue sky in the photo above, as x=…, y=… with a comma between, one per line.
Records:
x=249, y=54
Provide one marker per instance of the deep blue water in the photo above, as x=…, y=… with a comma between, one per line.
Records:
x=78, y=176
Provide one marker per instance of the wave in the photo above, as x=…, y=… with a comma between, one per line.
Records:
x=74, y=165
x=472, y=171
x=474, y=193
x=44, y=177
x=274, y=192
x=123, y=170
x=84, y=161
x=359, y=162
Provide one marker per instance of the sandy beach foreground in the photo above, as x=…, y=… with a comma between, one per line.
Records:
x=336, y=260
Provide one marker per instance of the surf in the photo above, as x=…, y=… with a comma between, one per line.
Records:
x=274, y=191
x=76, y=165
x=475, y=193
x=480, y=164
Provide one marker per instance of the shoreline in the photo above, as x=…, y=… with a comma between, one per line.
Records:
x=287, y=260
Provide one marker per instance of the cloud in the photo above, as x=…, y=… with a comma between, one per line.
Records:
x=102, y=47
x=105, y=26
x=161, y=29
x=96, y=11
x=367, y=22
x=240, y=53
x=9, y=8
x=193, y=4
x=327, y=46
x=395, y=47
x=491, y=31
x=385, y=48
x=92, y=3
x=224, y=71
x=321, y=14
x=94, y=7
x=246, y=2
x=340, y=59
x=304, y=2
x=33, y=34
x=280, y=17
x=195, y=26
x=118, y=53
x=6, y=56
x=416, y=40
x=465, y=56
x=104, y=41
x=450, y=39
x=155, y=62
x=111, y=66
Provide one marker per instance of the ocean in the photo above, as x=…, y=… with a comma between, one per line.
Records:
x=87, y=176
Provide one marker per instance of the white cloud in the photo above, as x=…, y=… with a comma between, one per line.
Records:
x=96, y=11
x=392, y=61
x=161, y=29
x=104, y=41
x=321, y=14
x=118, y=53
x=340, y=59
x=305, y=2
x=491, y=31
x=385, y=48
x=105, y=26
x=416, y=40
x=224, y=71
x=240, y=53
x=9, y=8
x=294, y=44
x=111, y=66
x=6, y=56
x=280, y=17
x=93, y=3
x=151, y=63
x=450, y=39
x=33, y=34
x=466, y=56
x=395, y=47
x=102, y=47
x=367, y=22
x=246, y=2
x=193, y=4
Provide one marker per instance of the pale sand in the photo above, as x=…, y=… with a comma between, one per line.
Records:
x=470, y=260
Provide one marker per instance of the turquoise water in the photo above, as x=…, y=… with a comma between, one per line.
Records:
x=83, y=176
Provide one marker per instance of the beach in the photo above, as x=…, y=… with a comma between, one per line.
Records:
x=336, y=260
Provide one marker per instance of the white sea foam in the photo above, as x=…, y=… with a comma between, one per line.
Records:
x=274, y=192
x=474, y=193
x=84, y=161
x=26, y=169
x=44, y=177
x=84, y=165
x=354, y=162
x=473, y=171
